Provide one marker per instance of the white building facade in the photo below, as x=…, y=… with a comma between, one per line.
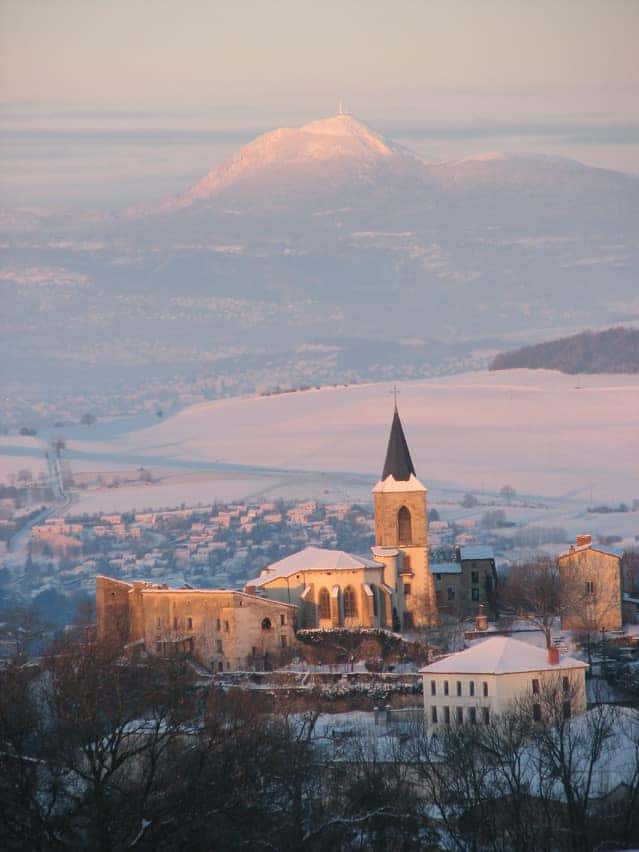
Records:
x=475, y=685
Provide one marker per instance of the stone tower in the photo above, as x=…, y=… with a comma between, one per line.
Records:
x=401, y=522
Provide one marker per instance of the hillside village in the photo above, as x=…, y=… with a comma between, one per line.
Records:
x=418, y=655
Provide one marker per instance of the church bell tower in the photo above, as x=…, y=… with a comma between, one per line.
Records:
x=401, y=522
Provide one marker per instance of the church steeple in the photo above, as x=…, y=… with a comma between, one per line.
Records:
x=398, y=462
x=401, y=529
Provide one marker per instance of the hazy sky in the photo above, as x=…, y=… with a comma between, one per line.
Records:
x=459, y=75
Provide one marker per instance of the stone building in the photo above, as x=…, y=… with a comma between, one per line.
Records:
x=475, y=685
x=332, y=588
x=469, y=582
x=401, y=529
x=592, y=586
x=224, y=630
x=394, y=589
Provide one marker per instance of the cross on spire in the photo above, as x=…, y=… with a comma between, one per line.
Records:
x=398, y=462
x=395, y=391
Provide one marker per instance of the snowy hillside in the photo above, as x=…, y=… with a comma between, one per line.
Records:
x=541, y=432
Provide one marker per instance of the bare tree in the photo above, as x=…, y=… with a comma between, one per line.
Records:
x=536, y=592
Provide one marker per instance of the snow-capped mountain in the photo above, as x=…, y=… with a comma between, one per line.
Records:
x=339, y=161
x=333, y=236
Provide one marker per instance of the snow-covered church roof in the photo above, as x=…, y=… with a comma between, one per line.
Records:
x=313, y=559
x=501, y=655
x=399, y=472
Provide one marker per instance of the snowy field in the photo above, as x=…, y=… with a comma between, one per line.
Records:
x=541, y=432
x=567, y=441
x=21, y=453
x=190, y=490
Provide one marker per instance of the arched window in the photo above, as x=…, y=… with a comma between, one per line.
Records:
x=350, y=603
x=404, y=535
x=324, y=604
x=266, y=624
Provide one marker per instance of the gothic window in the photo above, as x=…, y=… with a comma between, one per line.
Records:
x=350, y=604
x=404, y=534
x=324, y=604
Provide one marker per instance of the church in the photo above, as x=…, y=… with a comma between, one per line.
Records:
x=394, y=589
x=314, y=588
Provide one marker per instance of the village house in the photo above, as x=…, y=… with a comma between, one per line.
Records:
x=592, y=586
x=474, y=685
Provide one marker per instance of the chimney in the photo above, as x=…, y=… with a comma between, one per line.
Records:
x=481, y=621
x=553, y=655
x=583, y=540
x=250, y=590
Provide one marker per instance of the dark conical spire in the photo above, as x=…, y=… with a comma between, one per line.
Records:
x=398, y=462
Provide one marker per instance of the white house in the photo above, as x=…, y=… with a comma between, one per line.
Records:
x=475, y=684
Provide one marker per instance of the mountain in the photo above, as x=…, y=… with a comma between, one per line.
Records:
x=338, y=162
x=314, y=255
x=291, y=165
x=615, y=350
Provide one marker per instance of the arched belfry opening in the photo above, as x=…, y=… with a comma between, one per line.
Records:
x=404, y=527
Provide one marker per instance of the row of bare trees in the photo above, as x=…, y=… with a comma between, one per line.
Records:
x=98, y=753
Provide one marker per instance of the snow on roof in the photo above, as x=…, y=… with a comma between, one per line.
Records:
x=446, y=568
x=500, y=655
x=378, y=550
x=390, y=484
x=313, y=559
x=600, y=548
x=476, y=552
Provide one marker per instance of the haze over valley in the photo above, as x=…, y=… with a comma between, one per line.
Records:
x=293, y=263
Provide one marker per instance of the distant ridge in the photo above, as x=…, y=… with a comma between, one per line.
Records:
x=615, y=350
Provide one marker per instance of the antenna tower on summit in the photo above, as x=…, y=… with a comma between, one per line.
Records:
x=341, y=110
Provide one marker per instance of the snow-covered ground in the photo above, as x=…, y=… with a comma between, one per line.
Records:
x=567, y=440
x=170, y=492
x=540, y=431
